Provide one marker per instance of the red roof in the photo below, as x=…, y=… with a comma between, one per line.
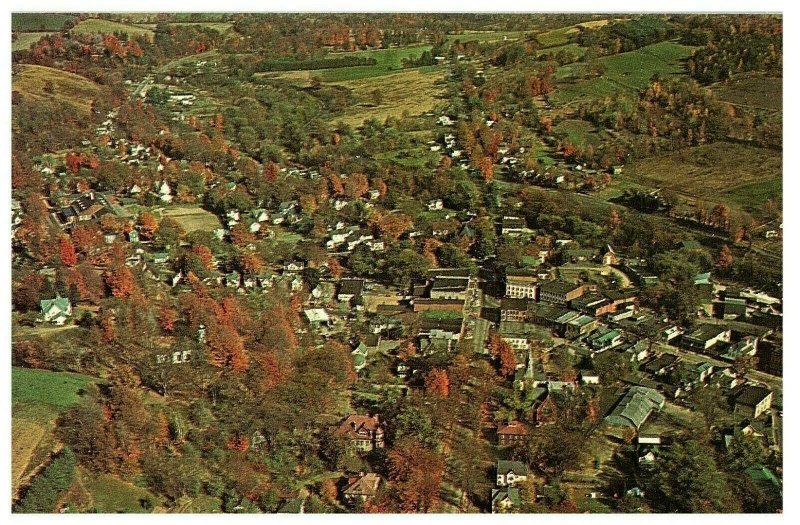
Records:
x=359, y=427
x=515, y=428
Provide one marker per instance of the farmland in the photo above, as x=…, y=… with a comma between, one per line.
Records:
x=485, y=36
x=388, y=61
x=411, y=91
x=35, y=81
x=753, y=91
x=712, y=170
x=24, y=40
x=98, y=25
x=38, y=397
x=39, y=21
x=629, y=71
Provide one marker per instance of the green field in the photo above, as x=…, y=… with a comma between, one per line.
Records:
x=752, y=91
x=24, y=41
x=33, y=81
x=388, y=61
x=485, y=36
x=555, y=37
x=627, y=71
x=580, y=132
x=721, y=171
x=38, y=21
x=216, y=26
x=753, y=196
x=98, y=25
x=57, y=389
x=109, y=494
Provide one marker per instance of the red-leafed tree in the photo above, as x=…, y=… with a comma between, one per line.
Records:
x=416, y=475
x=67, y=252
x=437, y=383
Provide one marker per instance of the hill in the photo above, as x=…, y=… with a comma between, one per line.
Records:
x=40, y=82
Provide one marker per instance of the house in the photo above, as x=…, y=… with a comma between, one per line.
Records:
x=55, y=311
x=581, y=325
x=522, y=284
x=609, y=256
x=362, y=487
x=752, y=401
x=133, y=236
x=365, y=433
x=559, y=292
x=317, y=317
x=294, y=266
x=704, y=337
x=509, y=473
x=747, y=346
x=513, y=309
x=635, y=407
x=504, y=499
x=359, y=354
x=511, y=433
x=86, y=207
x=350, y=289
x=661, y=364
x=435, y=204
x=733, y=307
x=604, y=339
x=589, y=377
x=513, y=226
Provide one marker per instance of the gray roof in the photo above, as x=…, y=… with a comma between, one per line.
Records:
x=517, y=467
x=635, y=407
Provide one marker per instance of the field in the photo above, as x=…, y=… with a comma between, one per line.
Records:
x=752, y=91
x=580, y=132
x=97, y=25
x=24, y=41
x=109, y=494
x=388, y=61
x=216, y=26
x=38, y=21
x=631, y=70
x=753, y=196
x=713, y=172
x=32, y=81
x=560, y=36
x=485, y=36
x=38, y=397
x=193, y=218
x=413, y=91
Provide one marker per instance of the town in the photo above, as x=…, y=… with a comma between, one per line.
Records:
x=242, y=286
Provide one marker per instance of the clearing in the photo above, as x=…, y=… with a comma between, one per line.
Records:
x=193, y=218
x=35, y=81
x=388, y=61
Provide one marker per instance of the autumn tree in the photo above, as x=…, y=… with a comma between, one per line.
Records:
x=356, y=185
x=503, y=354
x=66, y=251
x=416, y=473
x=437, y=383
x=148, y=225
x=119, y=280
x=724, y=258
x=486, y=167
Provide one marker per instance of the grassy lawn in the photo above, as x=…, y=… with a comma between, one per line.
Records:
x=24, y=40
x=754, y=91
x=98, y=25
x=57, y=389
x=580, y=132
x=411, y=91
x=572, y=48
x=32, y=81
x=193, y=218
x=38, y=21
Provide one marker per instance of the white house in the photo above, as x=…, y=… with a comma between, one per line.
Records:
x=55, y=311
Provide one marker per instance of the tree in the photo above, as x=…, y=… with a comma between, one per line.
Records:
x=66, y=251
x=437, y=383
x=724, y=258
x=416, y=473
x=612, y=367
x=119, y=280
x=356, y=185
x=486, y=166
x=148, y=225
x=552, y=450
x=686, y=479
x=503, y=353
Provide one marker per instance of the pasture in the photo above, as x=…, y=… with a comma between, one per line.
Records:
x=98, y=25
x=388, y=61
x=193, y=218
x=752, y=91
x=24, y=41
x=109, y=494
x=38, y=21
x=485, y=36
x=625, y=71
x=40, y=82
x=411, y=91
x=717, y=172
